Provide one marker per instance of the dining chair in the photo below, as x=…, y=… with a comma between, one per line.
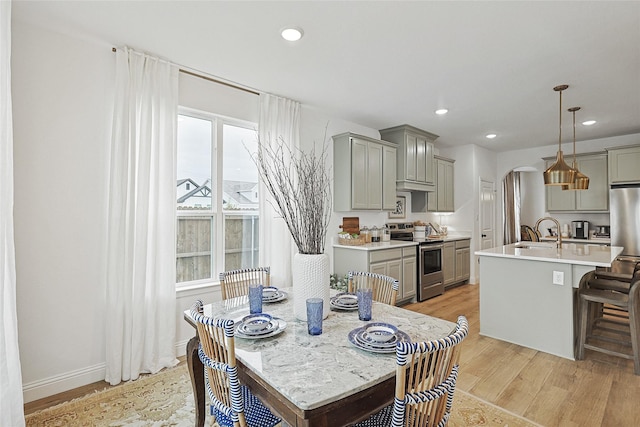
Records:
x=426, y=377
x=232, y=404
x=385, y=288
x=235, y=283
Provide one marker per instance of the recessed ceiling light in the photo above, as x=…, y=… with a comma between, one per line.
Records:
x=442, y=111
x=491, y=135
x=292, y=34
x=589, y=122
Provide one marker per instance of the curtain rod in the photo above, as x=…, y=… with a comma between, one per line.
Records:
x=211, y=79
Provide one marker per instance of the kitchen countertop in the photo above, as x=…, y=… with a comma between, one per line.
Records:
x=596, y=240
x=571, y=253
x=392, y=244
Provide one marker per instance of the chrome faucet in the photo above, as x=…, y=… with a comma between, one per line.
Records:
x=559, y=235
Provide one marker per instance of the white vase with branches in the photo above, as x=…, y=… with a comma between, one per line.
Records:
x=300, y=190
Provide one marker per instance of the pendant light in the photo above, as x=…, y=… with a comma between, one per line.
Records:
x=581, y=181
x=559, y=173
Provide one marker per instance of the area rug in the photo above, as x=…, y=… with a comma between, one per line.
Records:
x=165, y=399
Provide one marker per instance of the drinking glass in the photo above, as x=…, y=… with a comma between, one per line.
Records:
x=314, y=316
x=365, y=297
x=255, y=298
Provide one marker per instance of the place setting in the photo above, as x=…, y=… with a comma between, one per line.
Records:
x=346, y=301
x=271, y=294
x=375, y=337
x=258, y=324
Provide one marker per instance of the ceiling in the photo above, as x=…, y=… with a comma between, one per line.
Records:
x=380, y=64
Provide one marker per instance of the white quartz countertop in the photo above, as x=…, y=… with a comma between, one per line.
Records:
x=598, y=240
x=571, y=253
x=392, y=244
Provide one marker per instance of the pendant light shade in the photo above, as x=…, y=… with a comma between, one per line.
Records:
x=559, y=173
x=581, y=181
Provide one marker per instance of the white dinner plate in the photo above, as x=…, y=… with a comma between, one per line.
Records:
x=344, y=301
x=278, y=296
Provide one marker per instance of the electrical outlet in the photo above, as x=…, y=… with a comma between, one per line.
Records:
x=558, y=277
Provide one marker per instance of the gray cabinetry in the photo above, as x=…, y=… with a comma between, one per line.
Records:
x=364, y=173
x=441, y=200
x=449, y=263
x=399, y=263
x=456, y=257
x=415, y=167
x=595, y=199
x=623, y=165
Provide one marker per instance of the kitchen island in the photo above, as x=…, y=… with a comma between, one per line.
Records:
x=528, y=292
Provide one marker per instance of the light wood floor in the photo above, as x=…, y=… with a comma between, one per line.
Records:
x=598, y=391
x=549, y=390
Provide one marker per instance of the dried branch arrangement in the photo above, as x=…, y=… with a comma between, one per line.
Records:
x=300, y=189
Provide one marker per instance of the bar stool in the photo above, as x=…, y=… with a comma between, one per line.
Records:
x=595, y=293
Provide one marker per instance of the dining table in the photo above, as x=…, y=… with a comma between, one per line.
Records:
x=326, y=380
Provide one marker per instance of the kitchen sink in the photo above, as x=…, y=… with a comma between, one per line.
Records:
x=534, y=245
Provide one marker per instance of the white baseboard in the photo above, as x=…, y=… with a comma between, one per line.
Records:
x=59, y=383
x=74, y=379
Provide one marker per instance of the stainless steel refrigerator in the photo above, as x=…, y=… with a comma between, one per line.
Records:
x=624, y=208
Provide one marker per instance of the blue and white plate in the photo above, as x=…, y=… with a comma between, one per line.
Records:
x=276, y=326
x=271, y=294
x=344, y=301
x=358, y=337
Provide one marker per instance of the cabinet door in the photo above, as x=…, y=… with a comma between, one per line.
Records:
x=378, y=268
x=448, y=199
x=430, y=175
x=623, y=165
x=462, y=264
x=409, y=278
x=596, y=198
x=374, y=176
x=410, y=157
x=359, y=165
x=558, y=199
x=389, y=178
x=421, y=159
x=394, y=269
x=449, y=263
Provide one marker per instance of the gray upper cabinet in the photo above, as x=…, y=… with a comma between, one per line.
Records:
x=441, y=200
x=595, y=199
x=364, y=171
x=415, y=167
x=623, y=165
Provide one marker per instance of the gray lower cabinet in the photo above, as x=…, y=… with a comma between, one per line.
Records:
x=623, y=164
x=595, y=199
x=399, y=263
x=456, y=262
x=364, y=171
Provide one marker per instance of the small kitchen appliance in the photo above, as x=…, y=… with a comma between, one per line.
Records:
x=580, y=229
x=602, y=231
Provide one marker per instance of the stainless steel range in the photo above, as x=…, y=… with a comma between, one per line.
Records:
x=430, y=277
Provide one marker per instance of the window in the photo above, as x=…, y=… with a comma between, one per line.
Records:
x=217, y=197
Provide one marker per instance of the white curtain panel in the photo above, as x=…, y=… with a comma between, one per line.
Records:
x=279, y=118
x=141, y=296
x=11, y=403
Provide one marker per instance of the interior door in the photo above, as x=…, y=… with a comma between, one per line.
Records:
x=487, y=214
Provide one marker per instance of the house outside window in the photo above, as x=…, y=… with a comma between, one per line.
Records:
x=217, y=197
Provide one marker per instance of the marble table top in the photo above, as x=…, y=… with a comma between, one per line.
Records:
x=312, y=371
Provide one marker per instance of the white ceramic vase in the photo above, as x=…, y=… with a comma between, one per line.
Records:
x=310, y=280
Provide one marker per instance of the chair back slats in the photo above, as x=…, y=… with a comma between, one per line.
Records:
x=426, y=379
x=385, y=288
x=236, y=283
x=217, y=353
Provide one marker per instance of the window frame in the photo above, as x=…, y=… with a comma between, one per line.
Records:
x=216, y=213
